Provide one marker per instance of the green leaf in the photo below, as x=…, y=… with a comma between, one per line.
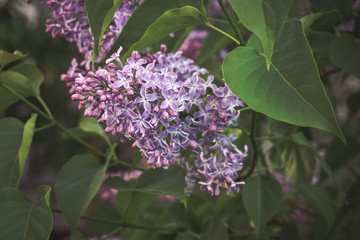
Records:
x=262, y=199
x=309, y=19
x=6, y=57
x=33, y=75
x=27, y=138
x=264, y=18
x=11, y=137
x=320, y=201
x=159, y=181
x=123, y=200
x=100, y=15
x=20, y=219
x=345, y=53
x=77, y=184
x=173, y=42
x=214, y=230
x=171, y=21
x=255, y=43
x=17, y=82
x=291, y=90
x=136, y=26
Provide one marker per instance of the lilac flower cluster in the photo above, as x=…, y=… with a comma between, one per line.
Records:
x=70, y=21
x=162, y=103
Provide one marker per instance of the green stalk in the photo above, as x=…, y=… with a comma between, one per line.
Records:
x=54, y=121
x=125, y=224
x=223, y=33
x=232, y=21
x=254, y=144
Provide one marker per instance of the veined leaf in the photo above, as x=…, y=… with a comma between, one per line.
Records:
x=11, y=134
x=27, y=138
x=291, y=90
x=171, y=21
x=78, y=182
x=264, y=18
x=20, y=219
x=143, y=16
x=262, y=199
x=15, y=142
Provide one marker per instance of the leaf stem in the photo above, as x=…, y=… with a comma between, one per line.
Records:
x=232, y=21
x=43, y=104
x=218, y=20
x=124, y=223
x=254, y=144
x=124, y=164
x=44, y=127
x=222, y=32
x=55, y=122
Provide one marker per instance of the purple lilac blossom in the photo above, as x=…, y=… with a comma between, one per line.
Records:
x=70, y=21
x=163, y=104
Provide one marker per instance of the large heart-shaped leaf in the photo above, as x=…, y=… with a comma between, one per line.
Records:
x=171, y=21
x=159, y=181
x=6, y=58
x=78, y=182
x=100, y=15
x=262, y=199
x=15, y=141
x=264, y=18
x=20, y=219
x=143, y=16
x=345, y=53
x=320, y=200
x=291, y=90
